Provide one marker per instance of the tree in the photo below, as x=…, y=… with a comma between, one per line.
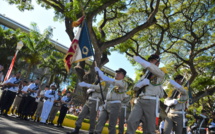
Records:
x=37, y=46
x=8, y=43
x=55, y=65
x=184, y=36
x=112, y=12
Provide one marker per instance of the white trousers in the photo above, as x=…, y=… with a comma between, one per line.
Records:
x=47, y=106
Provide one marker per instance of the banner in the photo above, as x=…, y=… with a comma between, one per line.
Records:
x=80, y=49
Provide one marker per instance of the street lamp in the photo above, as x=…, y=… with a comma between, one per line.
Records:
x=19, y=45
x=18, y=48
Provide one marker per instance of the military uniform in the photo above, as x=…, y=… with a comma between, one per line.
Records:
x=39, y=109
x=112, y=106
x=91, y=106
x=10, y=94
x=147, y=104
x=30, y=99
x=123, y=116
x=50, y=96
x=23, y=100
x=176, y=115
x=16, y=102
x=66, y=102
x=55, y=109
x=201, y=124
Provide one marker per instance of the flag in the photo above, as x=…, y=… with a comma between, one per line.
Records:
x=78, y=22
x=80, y=49
x=11, y=67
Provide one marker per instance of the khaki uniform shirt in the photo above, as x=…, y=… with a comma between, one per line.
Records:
x=116, y=90
x=153, y=90
x=97, y=92
x=182, y=98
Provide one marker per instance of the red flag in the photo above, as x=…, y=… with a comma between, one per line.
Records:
x=11, y=67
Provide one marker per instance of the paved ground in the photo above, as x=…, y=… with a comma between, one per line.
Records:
x=12, y=125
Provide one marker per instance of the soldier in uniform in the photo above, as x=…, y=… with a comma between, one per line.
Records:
x=176, y=114
x=13, y=87
x=40, y=99
x=55, y=108
x=31, y=95
x=91, y=106
x=50, y=96
x=112, y=106
x=17, y=100
x=23, y=93
x=146, y=106
x=122, y=115
x=66, y=103
x=201, y=123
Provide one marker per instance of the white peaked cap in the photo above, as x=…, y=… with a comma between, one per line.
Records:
x=53, y=84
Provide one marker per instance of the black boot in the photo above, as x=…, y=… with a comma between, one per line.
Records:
x=38, y=119
x=76, y=131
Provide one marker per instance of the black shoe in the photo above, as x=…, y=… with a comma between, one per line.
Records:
x=43, y=123
x=61, y=126
x=38, y=119
x=76, y=131
x=5, y=115
x=26, y=119
x=51, y=124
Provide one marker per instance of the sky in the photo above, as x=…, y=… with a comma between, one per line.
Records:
x=44, y=19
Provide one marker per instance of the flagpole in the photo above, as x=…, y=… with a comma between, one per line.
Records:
x=100, y=86
x=97, y=73
x=18, y=48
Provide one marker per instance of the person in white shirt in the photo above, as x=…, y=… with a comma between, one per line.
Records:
x=112, y=106
x=48, y=103
x=66, y=103
x=56, y=107
x=32, y=91
x=23, y=92
x=18, y=99
x=40, y=104
x=13, y=86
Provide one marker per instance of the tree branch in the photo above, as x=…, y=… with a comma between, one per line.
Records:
x=149, y=22
x=203, y=93
x=59, y=8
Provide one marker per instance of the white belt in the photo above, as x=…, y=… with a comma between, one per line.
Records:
x=177, y=112
x=149, y=97
x=116, y=101
x=124, y=106
x=91, y=98
x=97, y=101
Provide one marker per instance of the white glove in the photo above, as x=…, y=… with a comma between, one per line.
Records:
x=143, y=62
x=142, y=83
x=101, y=74
x=90, y=90
x=194, y=110
x=108, y=79
x=175, y=84
x=84, y=84
x=170, y=102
